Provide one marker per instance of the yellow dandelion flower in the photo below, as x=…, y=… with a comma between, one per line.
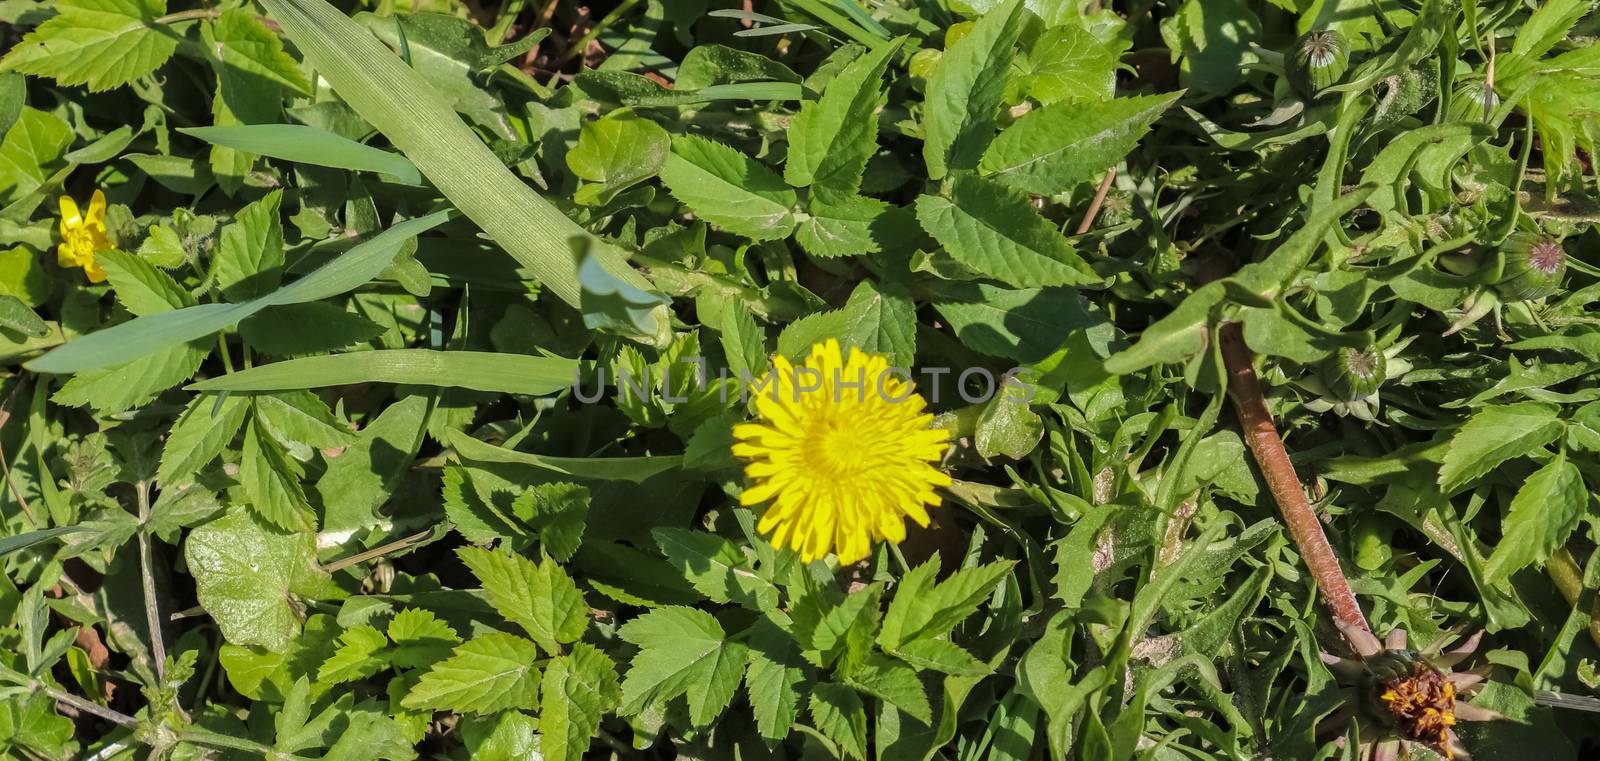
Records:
x=83, y=236
x=843, y=451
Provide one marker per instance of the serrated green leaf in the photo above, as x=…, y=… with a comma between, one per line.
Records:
x=246, y=44
x=578, y=690
x=140, y=287
x=360, y=655
x=832, y=137
x=995, y=231
x=559, y=512
x=206, y=427
x=1542, y=516
x=729, y=189
x=250, y=252
x=965, y=91
x=490, y=673
x=773, y=680
x=838, y=712
x=715, y=567
x=942, y=656
x=300, y=418
x=540, y=597
x=420, y=638
x=100, y=43
x=839, y=225
x=922, y=610
x=272, y=482
x=682, y=652
x=895, y=683
x=1494, y=435
x=1054, y=148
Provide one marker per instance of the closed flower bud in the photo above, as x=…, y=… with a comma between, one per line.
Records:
x=1320, y=61
x=1534, y=267
x=1356, y=373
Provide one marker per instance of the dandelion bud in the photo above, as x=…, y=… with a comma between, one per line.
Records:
x=1534, y=267
x=1320, y=61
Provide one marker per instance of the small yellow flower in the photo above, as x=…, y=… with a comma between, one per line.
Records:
x=843, y=451
x=83, y=236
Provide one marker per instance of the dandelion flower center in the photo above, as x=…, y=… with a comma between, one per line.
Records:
x=842, y=451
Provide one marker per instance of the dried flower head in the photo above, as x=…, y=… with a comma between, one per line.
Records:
x=1397, y=695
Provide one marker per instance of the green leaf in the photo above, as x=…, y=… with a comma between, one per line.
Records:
x=246, y=44
x=838, y=712
x=1213, y=37
x=1068, y=65
x=140, y=287
x=480, y=371
x=100, y=43
x=579, y=689
x=635, y=469
x=682, y=651
x=1026, y=324
x=15, y=316
x=729, y=189
x=308, y=328
x=832, y=137
x=206, y=427
x=559, y=511
x=32, y=151
x=617, y=151
x=540, y=598
x=922, y=610
x=715, y=567
x=1543, y=515
x=994, y=230
x=360, y=655
x=10, y=544
x=942, y=656
x=1175, y=337
x=397, y=100
x=1007, y=426
x=250, y=252
x=966, y=89
x=309, y=145
x=250, y=578
x=272, y=482
x=420, y=638
x=1054, y=148
x=894, y=683
x=364, y=476
x=1494, y=435
x=126, y=386
x=837, y=631
x=878, y=318
x=491, y=673
x=136, y=338
x=839, y=225
x=773, y=679
x=301, y=419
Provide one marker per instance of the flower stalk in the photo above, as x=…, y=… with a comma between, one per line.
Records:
x=1261, y=435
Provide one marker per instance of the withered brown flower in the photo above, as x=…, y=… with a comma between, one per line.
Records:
x=1396, y=695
